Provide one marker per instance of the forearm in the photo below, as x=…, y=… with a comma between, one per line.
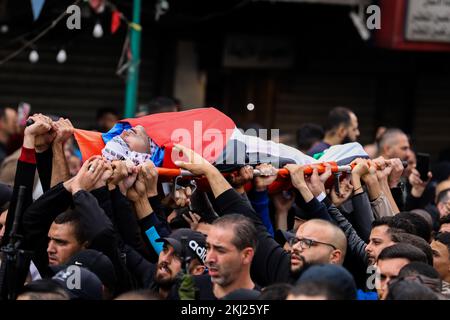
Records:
x=260, y=202
x=363, y=216
x=142, y=208
x=217, y=182
x=381, y=207
x=44, y=167
x=387, y=192
x=60, y=169
x=373, y=187
x=92, y=216
x=281, y=217
x=26, y=167
x=40, y=215
x=306, y=193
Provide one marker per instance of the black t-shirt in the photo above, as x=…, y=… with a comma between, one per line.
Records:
x=203, y=289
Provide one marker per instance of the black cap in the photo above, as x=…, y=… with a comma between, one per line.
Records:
x=196, y=243
x=98, y=263
x=80, y=283
x=334, y=274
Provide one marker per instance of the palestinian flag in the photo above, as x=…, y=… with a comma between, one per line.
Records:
x=213, y=135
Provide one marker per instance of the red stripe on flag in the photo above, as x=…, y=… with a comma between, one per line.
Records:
x=90, y=143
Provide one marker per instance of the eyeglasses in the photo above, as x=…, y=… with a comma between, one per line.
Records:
x=308, y=243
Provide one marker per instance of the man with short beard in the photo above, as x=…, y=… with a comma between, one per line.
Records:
x=231, y=245
x=184, y=250
x=341, y=127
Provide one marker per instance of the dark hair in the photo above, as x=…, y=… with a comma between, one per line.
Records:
x=141, y=294
x=444, y=219
x=102, y=111
x=161, y=104
x=383, y=221
x=443, y=196
x=72, y=217
x=244, y=230
x=308, y=134
x=388, y=135
x=45, y=289
x=2, y=113
x=403, y=250
x=336, y=117
x=419, y=268
x=444, y=238
x=409, y=290
x=320, y=288
x=412, y=223
x=277, y=291
x=418, y=242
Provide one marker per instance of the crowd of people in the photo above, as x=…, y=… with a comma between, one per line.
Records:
x=112, y=230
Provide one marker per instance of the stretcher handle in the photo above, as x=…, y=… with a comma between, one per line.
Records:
x=283, y=172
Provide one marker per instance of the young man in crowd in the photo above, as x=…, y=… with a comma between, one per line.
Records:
x=391, y=260
x=441, y=259
x=341, y=127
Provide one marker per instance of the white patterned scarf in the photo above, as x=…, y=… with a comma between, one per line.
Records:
x=117, y=149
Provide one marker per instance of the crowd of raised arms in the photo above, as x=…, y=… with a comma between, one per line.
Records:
x=118, y=232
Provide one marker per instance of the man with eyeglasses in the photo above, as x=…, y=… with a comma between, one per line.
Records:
x=317, y=241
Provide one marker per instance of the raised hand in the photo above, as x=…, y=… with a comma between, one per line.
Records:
x=345, y=188
x=267, y=177
x=192, y=161
x=120, y=172
x=193, y=219
x=42, y=124
x=150, y=174
x=297, y=175
x=361, y=168
x=64, y=130
x=138, y=190
x=40, y=127
x=239, y=179
x=87, y=178
x=396, y=173
x=128, y=181
x=106, y=175
x=418, y=186
x=316, y=182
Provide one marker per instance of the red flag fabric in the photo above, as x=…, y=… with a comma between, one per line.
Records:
x=204, y=130
x=115, y=21
x=90, y=142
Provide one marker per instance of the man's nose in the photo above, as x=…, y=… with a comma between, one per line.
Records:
x=51, y=247
x=210, y=257
x=297, y=247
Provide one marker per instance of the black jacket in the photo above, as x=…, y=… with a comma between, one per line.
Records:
x=97, y=227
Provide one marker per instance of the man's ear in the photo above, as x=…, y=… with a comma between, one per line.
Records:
x=198, y=270
x=335, y=256
x=85, y=245
x=342, y=131
x=441, y=208
x=247, y=255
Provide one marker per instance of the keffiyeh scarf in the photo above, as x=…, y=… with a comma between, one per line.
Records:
x=117, y=149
